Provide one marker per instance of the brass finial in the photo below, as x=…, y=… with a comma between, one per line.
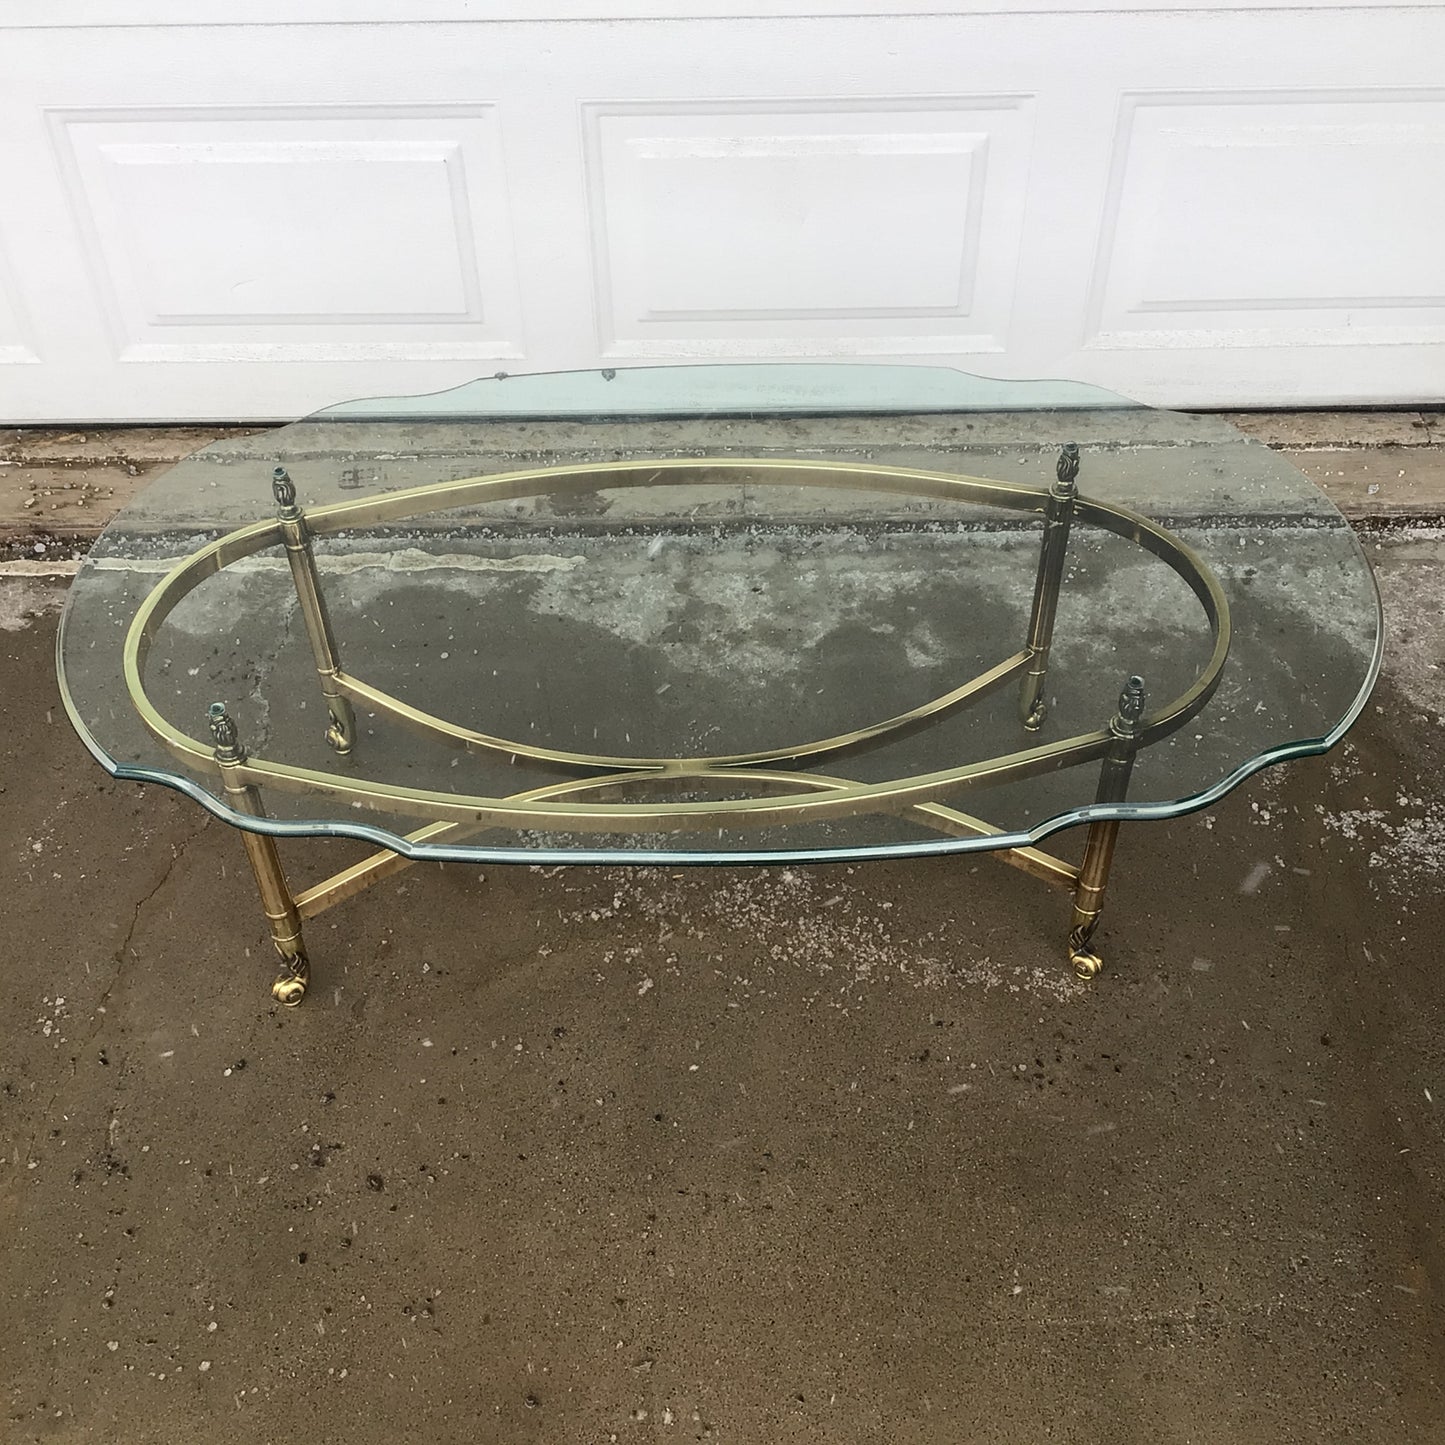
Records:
x=223, y=731
x=1067, y=469
x=1131, y=705
x=283, y=489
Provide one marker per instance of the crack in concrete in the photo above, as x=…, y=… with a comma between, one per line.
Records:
x=263, y=667
x=178, y=851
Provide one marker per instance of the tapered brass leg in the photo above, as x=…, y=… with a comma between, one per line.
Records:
x=1099, y=845
x=1089, y=896
x=1058, y=514
x=289, y=986
x=341, y=722
x=276, y=900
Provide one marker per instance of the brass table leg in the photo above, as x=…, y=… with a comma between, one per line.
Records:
x=1099, y=845
x=341, y=727
x=276, y=900
x=1058, y=514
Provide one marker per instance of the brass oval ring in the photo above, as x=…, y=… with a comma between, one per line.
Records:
x=531, y=811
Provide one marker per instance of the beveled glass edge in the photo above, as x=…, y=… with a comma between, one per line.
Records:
x=640, y=858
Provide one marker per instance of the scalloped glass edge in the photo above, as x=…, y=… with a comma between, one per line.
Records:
x=652, y=858
x=701, y=389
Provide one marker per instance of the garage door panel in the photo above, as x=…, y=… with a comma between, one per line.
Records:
x=1194, y=205
x=15, y=348
x=17, y=345
x=225, y=233
x=871, y=224
x=1274, y=219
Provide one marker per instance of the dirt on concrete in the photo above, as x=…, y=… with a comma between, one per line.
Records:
x=819, y=1154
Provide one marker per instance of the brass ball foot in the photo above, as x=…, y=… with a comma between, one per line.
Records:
x=290, y=987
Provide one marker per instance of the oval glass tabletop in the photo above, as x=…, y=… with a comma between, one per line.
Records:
x=720, y=614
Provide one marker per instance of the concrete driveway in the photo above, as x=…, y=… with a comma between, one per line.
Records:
x=788, y=1156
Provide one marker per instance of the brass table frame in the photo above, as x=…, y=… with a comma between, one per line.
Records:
x=597, y=801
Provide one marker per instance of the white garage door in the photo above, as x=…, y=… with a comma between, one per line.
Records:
x=204, y=218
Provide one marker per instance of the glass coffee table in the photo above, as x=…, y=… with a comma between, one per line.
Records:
x=717, y=615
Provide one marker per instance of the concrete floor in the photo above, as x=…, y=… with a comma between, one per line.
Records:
x=786, y=1156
